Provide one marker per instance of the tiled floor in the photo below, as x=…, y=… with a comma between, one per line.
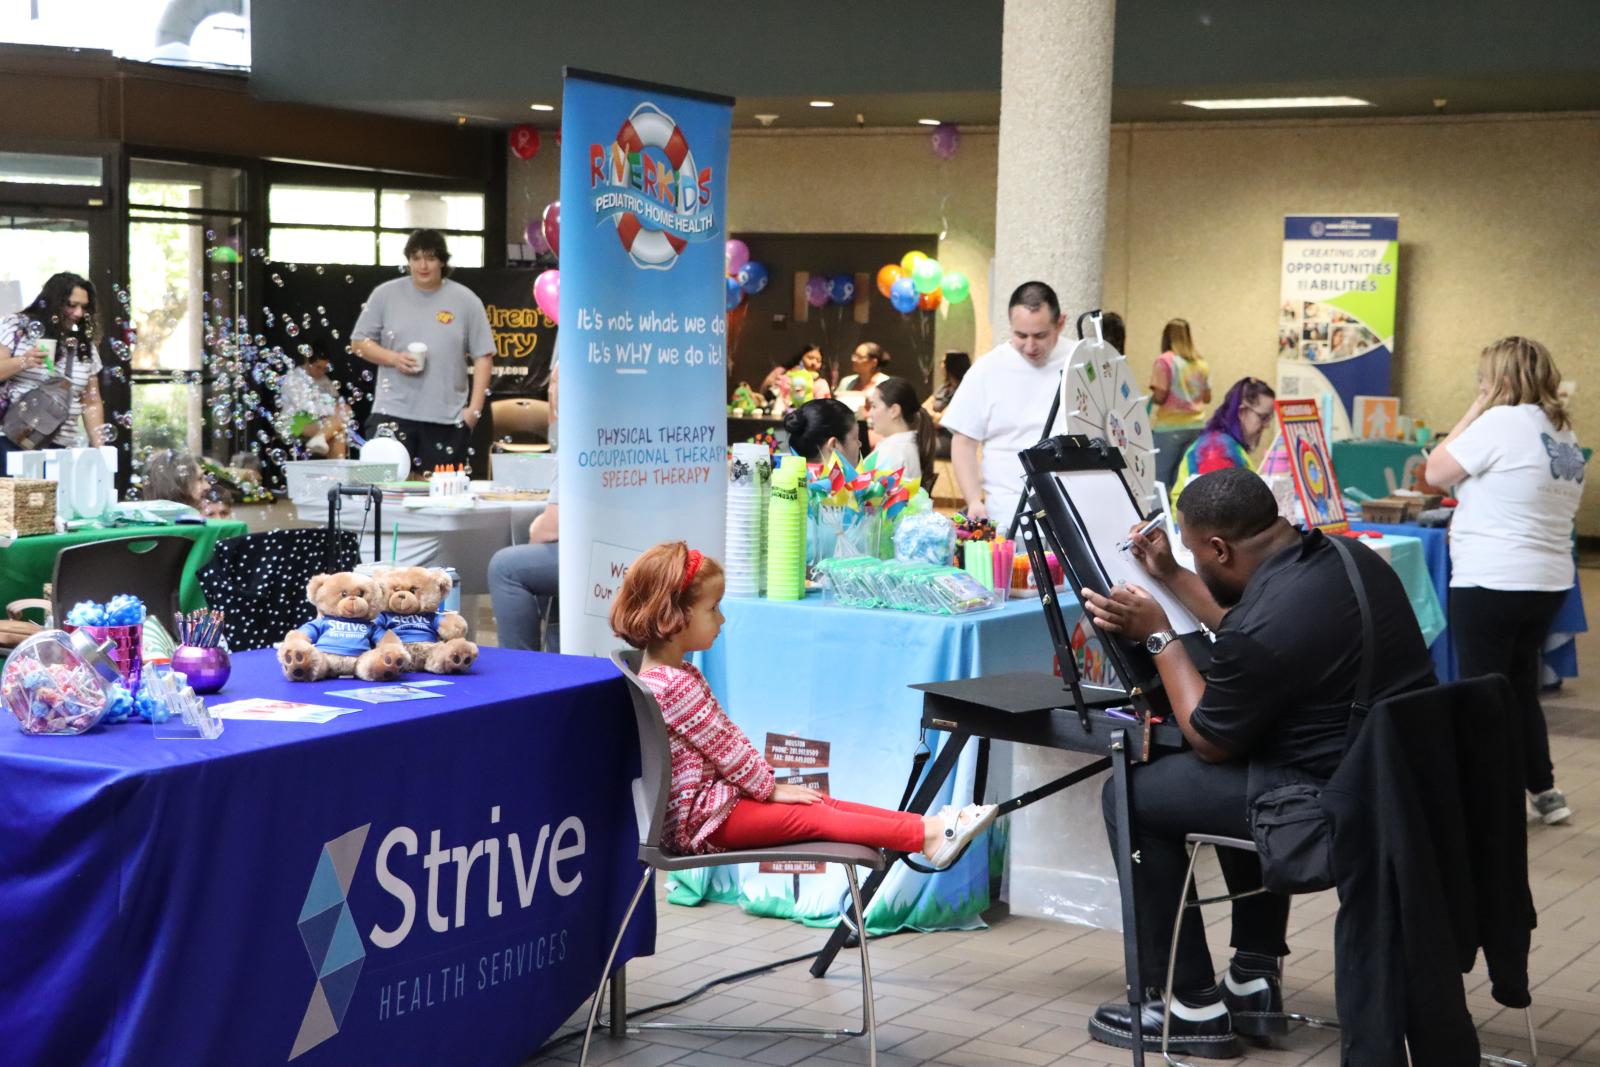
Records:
x=1022, y=990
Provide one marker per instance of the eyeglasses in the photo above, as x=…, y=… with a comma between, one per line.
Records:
x=1264, y=416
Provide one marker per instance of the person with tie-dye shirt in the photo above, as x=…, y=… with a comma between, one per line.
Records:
x=1180, y=389
x=1232, y=433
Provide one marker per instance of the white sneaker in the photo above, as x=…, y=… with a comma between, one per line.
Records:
x=1550, y=807
x=971, y=821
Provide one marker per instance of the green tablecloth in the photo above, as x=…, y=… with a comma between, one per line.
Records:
x=30, y=562
x=1377, y=468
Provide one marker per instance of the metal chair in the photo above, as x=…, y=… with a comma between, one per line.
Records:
x=650, y=809
x=150, y=568
x=1194, y=842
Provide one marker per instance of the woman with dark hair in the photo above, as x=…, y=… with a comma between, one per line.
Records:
x=867, y=361
x=822, y=427
x=956, y=365
x=806, y=363
x=179, y=476
x=51, y=338
x=905, y=431
x=1230, y=435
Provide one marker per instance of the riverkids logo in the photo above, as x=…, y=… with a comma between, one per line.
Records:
x=647, y=183
x=446, y=317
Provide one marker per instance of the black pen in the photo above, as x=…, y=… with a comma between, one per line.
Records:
x=1144, y=531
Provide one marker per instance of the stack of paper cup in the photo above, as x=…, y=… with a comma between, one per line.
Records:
x=744, y=555
x=786, y=534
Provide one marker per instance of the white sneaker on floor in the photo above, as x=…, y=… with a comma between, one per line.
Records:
x=1550, y=807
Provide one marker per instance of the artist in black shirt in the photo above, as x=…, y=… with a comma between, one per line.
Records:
x=1278, y=695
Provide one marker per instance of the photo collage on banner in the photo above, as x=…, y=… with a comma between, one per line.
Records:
x=1336, y=316
x=643, y=335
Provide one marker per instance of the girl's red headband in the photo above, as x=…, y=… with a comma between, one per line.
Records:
x=691, y=567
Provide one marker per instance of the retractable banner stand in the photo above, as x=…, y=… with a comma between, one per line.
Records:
x=643, y=339
x=1336, y=320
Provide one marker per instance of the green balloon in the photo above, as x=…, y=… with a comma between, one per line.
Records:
x=956, y=287
x=927, y=275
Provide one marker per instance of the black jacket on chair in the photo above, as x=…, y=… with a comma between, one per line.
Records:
x=259, y=580
x=1430, y=851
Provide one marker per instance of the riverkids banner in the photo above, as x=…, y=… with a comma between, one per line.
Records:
x=643, y=341
x=1336, y=316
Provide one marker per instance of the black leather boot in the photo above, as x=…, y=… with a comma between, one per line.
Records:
x=1203, y=1030
x=1255, y=1002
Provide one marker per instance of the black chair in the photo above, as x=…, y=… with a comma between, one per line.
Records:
x=650, y=810
x=150, y=568
x=259, y=581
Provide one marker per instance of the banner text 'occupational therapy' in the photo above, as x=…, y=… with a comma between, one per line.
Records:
x=630, y=457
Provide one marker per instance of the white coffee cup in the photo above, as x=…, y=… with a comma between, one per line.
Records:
x=419, y=352
x=47, y=349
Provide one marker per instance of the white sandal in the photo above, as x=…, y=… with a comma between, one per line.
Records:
x=969, y=822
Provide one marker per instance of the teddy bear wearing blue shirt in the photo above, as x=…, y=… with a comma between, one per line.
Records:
x=435, y=641
x=344, y=638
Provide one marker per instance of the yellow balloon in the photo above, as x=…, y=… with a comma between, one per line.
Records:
x=908, y=264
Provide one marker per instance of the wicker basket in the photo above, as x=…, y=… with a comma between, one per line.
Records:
x=27, y=505
x=1392, y=509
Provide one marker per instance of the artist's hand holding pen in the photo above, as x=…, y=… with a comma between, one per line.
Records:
x=1151, y=547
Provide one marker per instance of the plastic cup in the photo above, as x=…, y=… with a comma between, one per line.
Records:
x=419, y=352
x=47, y=345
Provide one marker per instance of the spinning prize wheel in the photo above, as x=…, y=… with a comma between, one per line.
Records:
x=1102, y=400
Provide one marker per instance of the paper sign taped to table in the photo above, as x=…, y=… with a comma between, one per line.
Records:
x=784, y=750
x=608, y=565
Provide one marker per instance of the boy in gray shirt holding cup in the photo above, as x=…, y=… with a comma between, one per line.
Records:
x=421, y=331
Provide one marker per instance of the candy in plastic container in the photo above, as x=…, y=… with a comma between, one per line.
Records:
x=59, y=683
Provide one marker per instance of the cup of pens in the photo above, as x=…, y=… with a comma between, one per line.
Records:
x=201, y=656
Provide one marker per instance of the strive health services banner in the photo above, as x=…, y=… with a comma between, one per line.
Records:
x=643, y=338
x=1336, y=320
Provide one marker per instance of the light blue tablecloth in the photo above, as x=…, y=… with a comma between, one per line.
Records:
x=840, y=675
x=1409, y=562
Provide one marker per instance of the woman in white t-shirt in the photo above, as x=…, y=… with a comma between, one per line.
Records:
x=1518, y=473
x=906, y=434
x=867, y=363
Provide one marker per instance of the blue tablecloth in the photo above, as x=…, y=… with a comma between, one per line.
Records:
x=839, y=676
x=1409, y=561
x=1436, y=550
x=434, y=881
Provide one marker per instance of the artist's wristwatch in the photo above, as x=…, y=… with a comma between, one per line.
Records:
x=1157, y=642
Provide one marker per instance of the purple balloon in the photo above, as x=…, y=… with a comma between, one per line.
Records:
x=817, y=289
x=946, y=139
x=533, y=233
x=552, y=225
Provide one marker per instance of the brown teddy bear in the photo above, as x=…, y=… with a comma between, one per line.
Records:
x=436, y=641
x=343, y=639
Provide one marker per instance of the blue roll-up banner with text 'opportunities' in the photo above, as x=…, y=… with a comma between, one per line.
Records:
x=643, y=342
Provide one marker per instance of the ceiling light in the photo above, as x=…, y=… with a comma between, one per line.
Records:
x=927, y=122
x=1267, y=102
x=822, y=103
x=542, y=107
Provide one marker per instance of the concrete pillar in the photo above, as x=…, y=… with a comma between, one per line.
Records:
x=1055, y=141
x=1050, y=225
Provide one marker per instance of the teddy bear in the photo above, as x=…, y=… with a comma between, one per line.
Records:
x=435, y=641
x=343, y=639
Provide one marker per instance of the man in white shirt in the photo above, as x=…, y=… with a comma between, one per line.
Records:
x=1003, y=402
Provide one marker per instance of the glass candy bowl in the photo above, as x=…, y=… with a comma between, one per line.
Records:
x=58, y=683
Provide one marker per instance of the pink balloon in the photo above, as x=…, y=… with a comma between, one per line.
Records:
x=533, y=233
x=552, y=225
x=735, y=255
x=946, y=139
x=547, y=294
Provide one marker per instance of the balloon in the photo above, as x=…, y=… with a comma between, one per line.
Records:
x=547, y=294
x=888, y=274
x=753, y=278
x=930, y=301
x=552, y=225
x=533, y=233
x=735, y=255
x=928, y=275
x=842, y=288
x=817, y=290
x=734, y=292
x=524, y=141
x=946, y=139
x=903, y=295
x=956, y=287
x=908, y=263
x=225, y=254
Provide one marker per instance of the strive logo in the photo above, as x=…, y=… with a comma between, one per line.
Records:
x=331, y=939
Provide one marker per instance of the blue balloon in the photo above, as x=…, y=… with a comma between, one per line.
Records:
x=903, y=295
x=842, y=288
x=735, y=294
x=753, y=278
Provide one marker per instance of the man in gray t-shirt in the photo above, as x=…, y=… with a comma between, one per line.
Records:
x=425, y=396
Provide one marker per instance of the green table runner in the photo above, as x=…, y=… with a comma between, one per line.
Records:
x=29, y=563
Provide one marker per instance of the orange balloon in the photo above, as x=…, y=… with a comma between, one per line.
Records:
x=888, y=274
x=931, y=301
